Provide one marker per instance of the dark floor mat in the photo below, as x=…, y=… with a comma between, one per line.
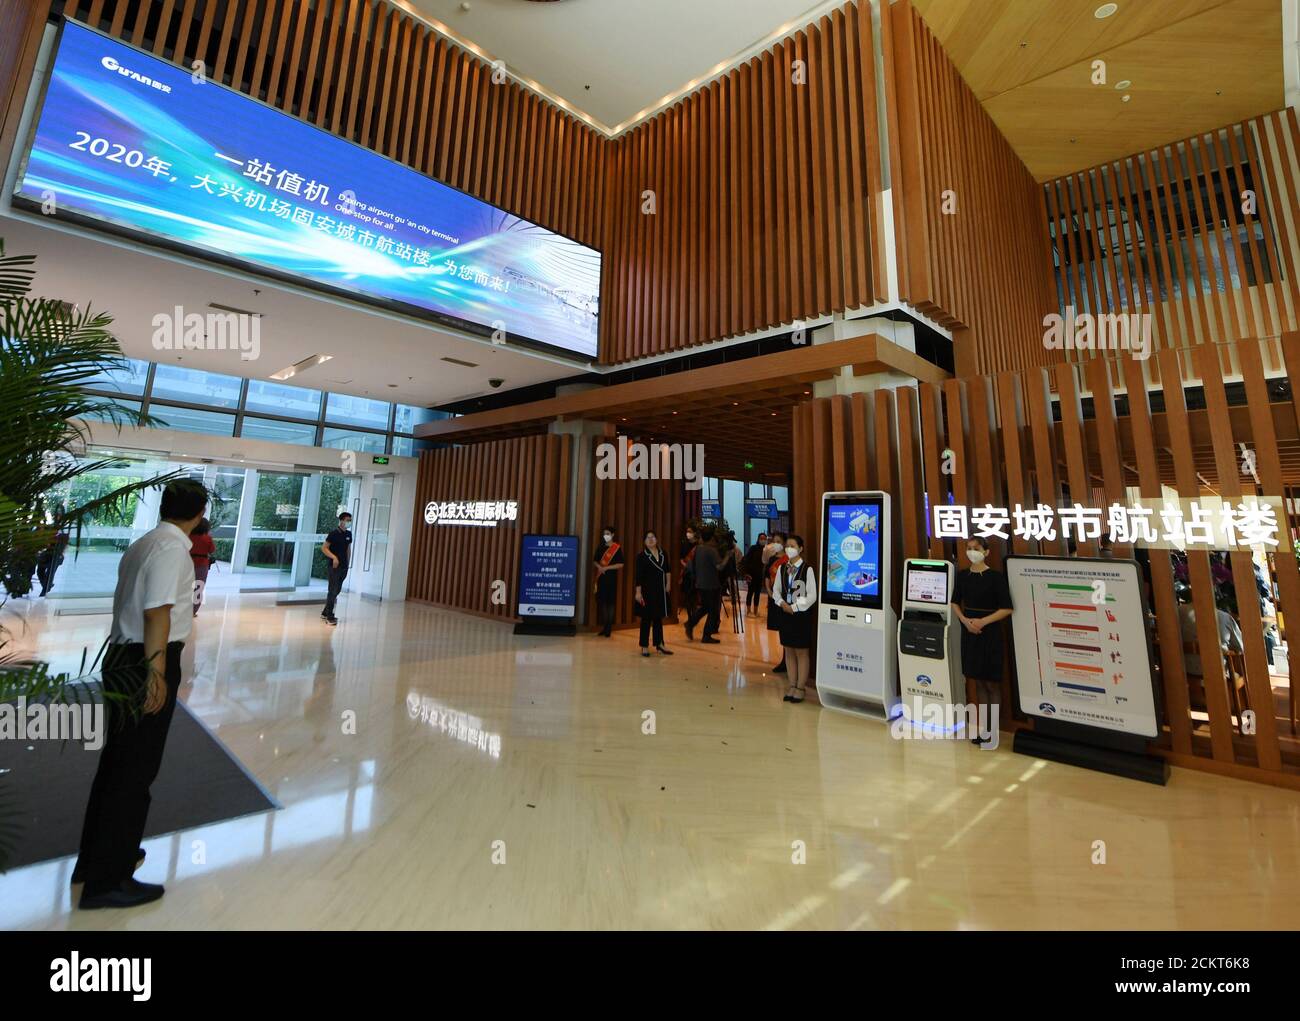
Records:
x=44, y=786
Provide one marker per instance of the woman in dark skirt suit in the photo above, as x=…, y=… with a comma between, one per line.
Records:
x=795, y=592
x=981, y=599
x=654, y=580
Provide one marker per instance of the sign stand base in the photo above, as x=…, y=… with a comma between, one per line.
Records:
x=541, y=627
x=1134, y=765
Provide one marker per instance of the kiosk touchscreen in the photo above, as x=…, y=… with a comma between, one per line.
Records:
x=855, y=621
x=929, y=640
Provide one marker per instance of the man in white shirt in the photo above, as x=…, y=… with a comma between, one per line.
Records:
x=152, y=617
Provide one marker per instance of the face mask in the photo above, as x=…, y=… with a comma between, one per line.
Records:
x=976, y=556
x=792, y=553
x=607, y=537
x=347, y=525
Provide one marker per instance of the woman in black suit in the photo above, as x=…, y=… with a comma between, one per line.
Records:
x=653, y=581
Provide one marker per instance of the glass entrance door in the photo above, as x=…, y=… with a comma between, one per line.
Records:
x=274, y=530
x=373, y=558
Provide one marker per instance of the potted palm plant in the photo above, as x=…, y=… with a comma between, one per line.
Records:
x=48, y=353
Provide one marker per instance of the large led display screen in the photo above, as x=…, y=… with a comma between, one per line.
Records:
x=851, y=559
x=129, y=143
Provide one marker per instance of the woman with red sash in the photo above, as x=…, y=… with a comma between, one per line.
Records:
x=608, y=562
x=773, y=611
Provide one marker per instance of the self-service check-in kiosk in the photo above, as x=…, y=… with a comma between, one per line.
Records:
x=929, y=641
x=856, y=665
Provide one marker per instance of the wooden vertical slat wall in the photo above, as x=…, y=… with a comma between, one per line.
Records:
x=983, y=268
x=1087, y=434
x=22, y=22
x=370, y=72
x=633, y=506
x=766, y=198
x=456, y=565
x=1119, y=247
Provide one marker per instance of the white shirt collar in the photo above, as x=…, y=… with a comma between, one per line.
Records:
x=173, y=531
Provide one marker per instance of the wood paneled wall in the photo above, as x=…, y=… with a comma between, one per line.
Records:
x=634, y=506
x=860, y=442
x=369, y=72
x=455, y=565
x=971, y=238
x=1054, y=434
x=1201, y=235
x=21, y=23
x=765, y=185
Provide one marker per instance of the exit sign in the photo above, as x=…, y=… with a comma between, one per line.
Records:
x=379, y=459
x=749, y=465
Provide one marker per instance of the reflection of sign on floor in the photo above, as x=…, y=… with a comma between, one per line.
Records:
x=286, y=510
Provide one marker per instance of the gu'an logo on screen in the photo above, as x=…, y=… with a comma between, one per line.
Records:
x=111, y=64
x=1047, y=708
x=925, y=680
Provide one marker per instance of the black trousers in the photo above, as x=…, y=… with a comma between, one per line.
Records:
x=606, y=614
x=753, y=592
x=128, y=764
x=655, y=623
x=46, y=566
x=336, y=576
x=710, y=607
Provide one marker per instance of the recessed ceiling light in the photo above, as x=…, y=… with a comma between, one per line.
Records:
x=1122, y=85
x=1127, y=98
x=1105, y=10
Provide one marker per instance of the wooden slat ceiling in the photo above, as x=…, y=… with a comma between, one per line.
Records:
x=1194, y=65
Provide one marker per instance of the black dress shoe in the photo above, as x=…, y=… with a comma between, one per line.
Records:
x=129, y=893
x=788, y=698
x=709, y=641
x=645, y=653
x=79, y=877
x=663, y=651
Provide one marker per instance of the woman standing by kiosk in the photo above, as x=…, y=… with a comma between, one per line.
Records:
x=795, y=592
x=980, y=599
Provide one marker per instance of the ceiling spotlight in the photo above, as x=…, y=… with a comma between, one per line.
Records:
x=1105, y=11
x=1122, y=85
x=1127, y=98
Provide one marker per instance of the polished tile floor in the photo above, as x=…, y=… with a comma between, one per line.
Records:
x=491, y=781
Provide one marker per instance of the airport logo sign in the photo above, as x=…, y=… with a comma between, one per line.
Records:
x=111, y=64
x=481, y=513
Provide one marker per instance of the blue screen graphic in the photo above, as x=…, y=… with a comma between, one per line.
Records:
x=133, y=144
x=852, y=556
x=548, y=576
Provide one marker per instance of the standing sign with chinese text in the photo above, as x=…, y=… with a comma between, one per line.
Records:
x=132, y=144
x=548, y=576
x=1081, y=645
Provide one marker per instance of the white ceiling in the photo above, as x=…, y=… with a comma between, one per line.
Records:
x=632, y=53
x=371, y=350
